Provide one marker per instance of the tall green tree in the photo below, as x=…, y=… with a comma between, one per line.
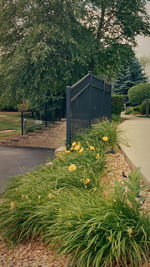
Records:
x=133, y=74
x=49, y=44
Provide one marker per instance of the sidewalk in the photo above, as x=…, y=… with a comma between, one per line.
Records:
x=137, y=133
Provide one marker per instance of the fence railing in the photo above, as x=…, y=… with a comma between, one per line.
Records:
x=86, y=101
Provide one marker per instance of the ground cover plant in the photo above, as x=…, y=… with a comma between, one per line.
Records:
x=67, y=205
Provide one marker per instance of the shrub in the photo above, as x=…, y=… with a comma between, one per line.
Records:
x=117, y=103
x=138, y=93
x=132, y=110
x=129, y=110
x=143, y=107
x=137, y=108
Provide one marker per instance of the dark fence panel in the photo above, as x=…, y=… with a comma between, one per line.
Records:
x=86, y=101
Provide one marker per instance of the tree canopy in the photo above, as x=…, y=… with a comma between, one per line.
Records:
x=49, y=44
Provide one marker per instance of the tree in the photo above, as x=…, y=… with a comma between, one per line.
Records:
x=49, y=44
x=133, y=74
x=116, y=25
x=145, y=62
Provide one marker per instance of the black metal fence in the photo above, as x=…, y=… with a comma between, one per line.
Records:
x=40, y=118
x=86, y=101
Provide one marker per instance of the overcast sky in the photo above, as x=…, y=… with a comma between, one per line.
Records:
x=143, y=48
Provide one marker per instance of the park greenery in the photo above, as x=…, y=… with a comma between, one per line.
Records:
x=68, y=205
x=132, y=75
x=46, y=45
x=139, y=93
x=117, y=102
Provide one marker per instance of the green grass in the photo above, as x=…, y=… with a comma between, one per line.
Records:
x=72, y=210
x=9, y=121
x=12, y=121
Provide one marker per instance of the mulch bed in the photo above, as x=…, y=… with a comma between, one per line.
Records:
x=36, y=254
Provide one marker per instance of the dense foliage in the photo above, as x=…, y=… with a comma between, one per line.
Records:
x=47, y=45
x=130, y=76
x=143, y=107
x=117, y=103
x=139, y=93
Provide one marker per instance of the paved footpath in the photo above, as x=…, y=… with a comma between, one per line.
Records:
x=137, y=133
x=15, y=160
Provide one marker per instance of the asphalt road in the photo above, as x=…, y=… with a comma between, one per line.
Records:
x=16, y=160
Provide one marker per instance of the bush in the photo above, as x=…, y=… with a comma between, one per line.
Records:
x=139, y=93
x=129, y=110
x=143, y=107
x=137, y=108
x=132, y=110
x=117, y=103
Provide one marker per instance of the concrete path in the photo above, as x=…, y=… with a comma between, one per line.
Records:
x=137, y=133
x=15, y=161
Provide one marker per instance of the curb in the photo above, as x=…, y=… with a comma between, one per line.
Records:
x=133, y=167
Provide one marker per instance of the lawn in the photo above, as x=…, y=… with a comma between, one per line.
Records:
x=9, y=121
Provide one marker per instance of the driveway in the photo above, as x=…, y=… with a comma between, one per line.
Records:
x=16, y=160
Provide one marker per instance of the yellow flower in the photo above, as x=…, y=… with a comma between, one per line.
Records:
x=67, y=151
x=77, y=147
x=97, y=156
x=81, y=150
x=79, y=144
x=72, y=148
x=91, y=148
x=109, y=238
x=12, y=205
x=29, y=174
x=72, y=168
x=39, y=197
x=74, y=144
x=87, y=181
x=130, y=231
x=105, y=138
x=50, y=196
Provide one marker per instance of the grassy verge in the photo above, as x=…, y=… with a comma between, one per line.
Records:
x=12, y=121
x=9, y=121
x=67, y=205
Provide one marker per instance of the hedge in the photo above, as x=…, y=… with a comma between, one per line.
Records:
x=143, y=107
x=138, y=93
x=117, y=103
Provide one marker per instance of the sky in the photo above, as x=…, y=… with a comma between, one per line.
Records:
x=143, y=48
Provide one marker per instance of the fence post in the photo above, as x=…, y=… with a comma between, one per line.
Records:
x=21, y=122
x=68, y=125
x=90, y=98
x=147, y=107
x=110, y=110
x=46, y=115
